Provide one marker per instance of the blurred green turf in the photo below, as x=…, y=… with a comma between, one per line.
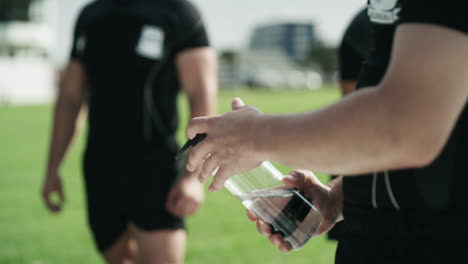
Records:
x=219, y=233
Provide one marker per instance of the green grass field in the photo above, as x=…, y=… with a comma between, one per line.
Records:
x=219, y=233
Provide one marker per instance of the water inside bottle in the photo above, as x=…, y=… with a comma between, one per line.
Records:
x=287, y=211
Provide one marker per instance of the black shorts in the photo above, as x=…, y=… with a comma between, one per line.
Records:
x=391, y=250
x=405, y=237
x=126, y=191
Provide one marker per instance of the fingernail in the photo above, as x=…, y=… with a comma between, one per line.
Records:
x=284, y=250
x=289, y=178
x=213, y=188
x=276, y=241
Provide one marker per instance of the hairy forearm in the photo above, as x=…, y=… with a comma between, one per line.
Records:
x=404, y=122
x=361, y=133
x=64, y=123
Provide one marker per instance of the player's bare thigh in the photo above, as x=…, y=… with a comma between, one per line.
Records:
x=166, y=246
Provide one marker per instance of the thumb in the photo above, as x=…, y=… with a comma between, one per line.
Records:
x=237, y=104
x=324, y=226
x=294, y=179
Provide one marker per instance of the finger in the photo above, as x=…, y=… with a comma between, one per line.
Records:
x=290, y=181
x=276, y=239
x=252, y=217
x=195, y=173
x=61, y=194
x=46, y=199
x=209, y=166
x=197, y=125
x=237, y=104
x=198, y=154
x=323, y=227
x=294, y=179
x=46, y=194
x=51, y=205
x=222, y=174
x=263, y=228
x=285, y=247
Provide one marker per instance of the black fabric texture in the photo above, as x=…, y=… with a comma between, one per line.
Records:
x=355, y=46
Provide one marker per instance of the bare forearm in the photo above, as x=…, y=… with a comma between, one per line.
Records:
x=359, y=134
x=64, y=123
x=404, y=122
x=203, y=104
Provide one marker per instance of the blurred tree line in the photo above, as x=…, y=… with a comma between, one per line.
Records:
x=322, y=57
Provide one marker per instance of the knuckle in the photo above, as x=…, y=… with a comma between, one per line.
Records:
x=212, y=121
x=191, y=124
x=205, y=173
x=297, y=172
x=209, y=141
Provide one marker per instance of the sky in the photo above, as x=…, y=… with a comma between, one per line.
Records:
x=230, y=22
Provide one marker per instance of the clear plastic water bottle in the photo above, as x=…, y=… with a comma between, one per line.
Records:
x=286, y=210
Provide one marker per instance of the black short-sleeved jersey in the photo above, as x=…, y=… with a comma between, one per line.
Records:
x=412, y=197
x=121, y=44
x=355, y=46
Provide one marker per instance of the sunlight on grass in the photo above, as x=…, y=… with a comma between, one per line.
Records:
x=219, y=233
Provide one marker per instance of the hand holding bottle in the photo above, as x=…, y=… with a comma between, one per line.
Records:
x=326, y=198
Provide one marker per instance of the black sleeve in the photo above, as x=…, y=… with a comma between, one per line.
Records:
x=349, y=61
x=355, y=46
x=191, y=32
x=450, y=13
x=78, y=37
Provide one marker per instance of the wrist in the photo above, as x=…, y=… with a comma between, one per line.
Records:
x=263, y=137
x=52, y=171
x=336, y=190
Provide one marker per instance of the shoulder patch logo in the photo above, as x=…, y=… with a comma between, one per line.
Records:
x=384, y=11
x=80, y=44
x=151, y=42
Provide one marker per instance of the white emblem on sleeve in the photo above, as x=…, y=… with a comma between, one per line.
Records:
x=80, y=44
x=383, y=11
x=151, y=42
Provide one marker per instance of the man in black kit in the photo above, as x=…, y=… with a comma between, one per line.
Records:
x=128, y=61
x=400, y=140
x=354, y=48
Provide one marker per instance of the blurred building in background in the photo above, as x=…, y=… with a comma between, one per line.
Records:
x=272, y=59
x=34, y=36
x=293, y=40
x=26, y=45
